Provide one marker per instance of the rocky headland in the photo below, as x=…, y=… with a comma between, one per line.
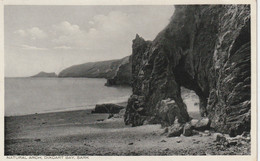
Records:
x=44, y=74
x=205, y=48
x=118, y=72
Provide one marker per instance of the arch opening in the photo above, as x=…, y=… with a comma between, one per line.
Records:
x=192, y=101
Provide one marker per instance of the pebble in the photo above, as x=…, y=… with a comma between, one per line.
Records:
x=37, y=140
x=219, y=137
x=232, y=143
x=195, y=132
x=196, y=142
x=163, y=141
x=206, y=131
x=130, y=143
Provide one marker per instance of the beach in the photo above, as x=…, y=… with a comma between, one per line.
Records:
x=82, y=133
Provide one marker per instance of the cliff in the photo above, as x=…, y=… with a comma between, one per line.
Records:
x=102, y=69
x=44, y=74
x=123, y=75
x=205, y=49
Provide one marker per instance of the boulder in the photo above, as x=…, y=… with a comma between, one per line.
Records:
x=165, y=131
x=37, y=140
x=193, y=122
x=195, y=132
x=175, y=130
x=107, y=108
x=202, y=124
x=187, y=130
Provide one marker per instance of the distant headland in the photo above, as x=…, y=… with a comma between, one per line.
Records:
x=45, y=74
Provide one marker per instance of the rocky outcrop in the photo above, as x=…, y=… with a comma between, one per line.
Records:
x=103, y=69
x=107, y=108
x=187, y=129
x=123, y=75
x=44, y=74
x=205, y=49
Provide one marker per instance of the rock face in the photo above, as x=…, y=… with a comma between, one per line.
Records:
x=103, y=69
x=107, y=108
x=44, y=74
x=205, y=49
x=123, y=75
x=168, y=112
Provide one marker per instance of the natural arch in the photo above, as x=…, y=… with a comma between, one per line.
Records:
x=194, y=52
x=191, y=99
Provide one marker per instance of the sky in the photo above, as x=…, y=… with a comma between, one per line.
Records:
x=52, y=38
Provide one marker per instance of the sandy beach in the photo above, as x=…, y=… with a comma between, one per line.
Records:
x=83, y=133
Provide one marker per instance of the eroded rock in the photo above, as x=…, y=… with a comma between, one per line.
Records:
x=206, y=49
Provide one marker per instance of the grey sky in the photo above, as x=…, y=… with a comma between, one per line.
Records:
x=51, y=38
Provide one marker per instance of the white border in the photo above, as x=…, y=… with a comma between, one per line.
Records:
x=253, y=155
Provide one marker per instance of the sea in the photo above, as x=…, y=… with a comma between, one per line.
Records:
x=25, y=96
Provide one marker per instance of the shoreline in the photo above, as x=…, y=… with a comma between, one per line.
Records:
x=124, y=103
x=83, y=133
x=52, y=112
